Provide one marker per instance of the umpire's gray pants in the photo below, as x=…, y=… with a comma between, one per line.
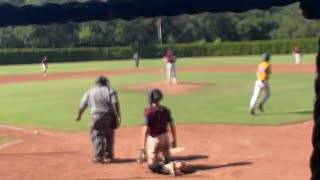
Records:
x=102, y=135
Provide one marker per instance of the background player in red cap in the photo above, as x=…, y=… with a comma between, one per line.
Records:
x=297, y=55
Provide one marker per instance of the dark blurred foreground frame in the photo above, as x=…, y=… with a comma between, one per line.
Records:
x=315, y=156
x=130, y=9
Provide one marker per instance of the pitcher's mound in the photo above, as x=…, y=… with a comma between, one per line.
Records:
x=169, y=88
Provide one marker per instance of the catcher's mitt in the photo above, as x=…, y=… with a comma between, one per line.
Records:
x=183, y=167
x=142, y=157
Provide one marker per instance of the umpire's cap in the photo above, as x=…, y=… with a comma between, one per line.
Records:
x=102, y=81
x=266, y=56
x=155, y=95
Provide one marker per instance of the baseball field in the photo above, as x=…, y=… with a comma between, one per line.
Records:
x=209, y=104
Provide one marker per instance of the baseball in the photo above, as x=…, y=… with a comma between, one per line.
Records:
x=36, y=132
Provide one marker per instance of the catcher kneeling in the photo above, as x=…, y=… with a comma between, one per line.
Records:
x=155, y=138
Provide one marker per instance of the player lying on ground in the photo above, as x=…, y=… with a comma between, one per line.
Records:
x=155, y=138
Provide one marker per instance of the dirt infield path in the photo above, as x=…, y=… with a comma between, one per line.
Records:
x=221, y=152
x=215, y=151
x=302, y=68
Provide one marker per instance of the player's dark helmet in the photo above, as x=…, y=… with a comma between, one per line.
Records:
x=155, y=96
x=266, y=56
x=102, y=81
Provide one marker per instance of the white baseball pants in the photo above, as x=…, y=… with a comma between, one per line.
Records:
x=171, y=72
x=259, y=85
x=297, y=57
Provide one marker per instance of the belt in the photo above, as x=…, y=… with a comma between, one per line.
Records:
x=102, y=113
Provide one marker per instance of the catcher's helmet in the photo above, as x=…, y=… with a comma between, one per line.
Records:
x=266, y=56
x=102, y=81
x=155, y=96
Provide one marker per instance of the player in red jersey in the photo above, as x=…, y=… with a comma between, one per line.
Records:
x=297, y=55
x=171, y=67
x=155, y=138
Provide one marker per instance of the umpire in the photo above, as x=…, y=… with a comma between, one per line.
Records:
x=105, y=118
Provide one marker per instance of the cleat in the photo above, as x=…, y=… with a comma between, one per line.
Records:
x=261, y=107
x=108, y=158
x=252, y=111
x=105, y=160
x=174, y=81
x=95, y=160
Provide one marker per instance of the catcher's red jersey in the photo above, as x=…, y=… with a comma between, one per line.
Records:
x=157, y=120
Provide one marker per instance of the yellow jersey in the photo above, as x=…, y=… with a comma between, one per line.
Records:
x=264, y=70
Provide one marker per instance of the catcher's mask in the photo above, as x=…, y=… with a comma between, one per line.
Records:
x=155, y=96
x=102, y=81
x=266, y=56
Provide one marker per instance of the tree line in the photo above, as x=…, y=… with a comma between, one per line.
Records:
x=275, y=23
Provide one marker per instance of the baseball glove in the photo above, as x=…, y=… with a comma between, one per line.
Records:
x=183, y=167
x=142, y=157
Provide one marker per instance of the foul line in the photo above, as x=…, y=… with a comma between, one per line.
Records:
x=11, y=127
x=2, y=146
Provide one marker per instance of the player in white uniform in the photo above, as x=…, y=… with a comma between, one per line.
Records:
x=171, y=67
x=297, y=55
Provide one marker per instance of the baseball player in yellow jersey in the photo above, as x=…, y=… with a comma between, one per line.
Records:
x=263, y=74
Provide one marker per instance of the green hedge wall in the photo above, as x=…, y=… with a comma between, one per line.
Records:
x=26, y=56
x=245, y=47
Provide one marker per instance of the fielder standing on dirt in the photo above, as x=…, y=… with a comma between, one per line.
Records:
x=171, y=67
x=155, y=137
x=105, y=118
x=262, y=83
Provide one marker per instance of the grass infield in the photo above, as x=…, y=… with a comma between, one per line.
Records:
x=148, y=63
x=54, y=104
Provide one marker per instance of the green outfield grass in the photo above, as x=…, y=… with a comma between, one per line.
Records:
x=54, y=104
x=147, y=63
x=5, y=139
